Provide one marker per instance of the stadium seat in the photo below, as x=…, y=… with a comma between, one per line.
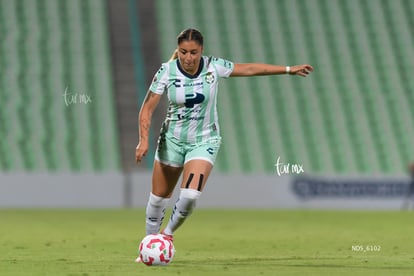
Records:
x=50, y=47
x=346, y=118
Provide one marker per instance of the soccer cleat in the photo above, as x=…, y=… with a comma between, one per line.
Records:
x=138, y=260
x=167, y=237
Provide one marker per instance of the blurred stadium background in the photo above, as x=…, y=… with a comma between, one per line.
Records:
x=73, y=75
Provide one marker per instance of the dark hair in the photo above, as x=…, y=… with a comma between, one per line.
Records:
x=188, y=35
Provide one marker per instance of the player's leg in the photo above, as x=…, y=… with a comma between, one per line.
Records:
x=199, y=162
x=168, y=165
x=164, y=179
x=195, y=176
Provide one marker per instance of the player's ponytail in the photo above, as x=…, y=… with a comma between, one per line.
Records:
x=174, y=55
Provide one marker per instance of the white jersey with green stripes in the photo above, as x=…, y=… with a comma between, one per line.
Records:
x=192, y=113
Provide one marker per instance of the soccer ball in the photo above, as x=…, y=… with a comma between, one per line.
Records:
x=155, y=249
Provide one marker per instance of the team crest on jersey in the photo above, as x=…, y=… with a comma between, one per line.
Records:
x=210, y=78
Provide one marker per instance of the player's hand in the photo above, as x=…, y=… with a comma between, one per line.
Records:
x=140, y=151
x=301, y=70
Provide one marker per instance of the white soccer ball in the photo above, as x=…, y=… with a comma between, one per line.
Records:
x=155, y=249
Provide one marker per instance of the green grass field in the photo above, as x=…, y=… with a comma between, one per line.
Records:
x=211, y=242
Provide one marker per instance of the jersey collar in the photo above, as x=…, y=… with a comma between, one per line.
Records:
x=200, y=68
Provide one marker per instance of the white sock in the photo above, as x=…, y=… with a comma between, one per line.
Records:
x=182, y=209
x=155, y=213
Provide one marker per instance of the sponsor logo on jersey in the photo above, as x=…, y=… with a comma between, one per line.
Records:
x=189, y=117
x=177, y=83
x=192, y=99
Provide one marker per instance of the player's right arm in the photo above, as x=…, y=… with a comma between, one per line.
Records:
x=144, y=122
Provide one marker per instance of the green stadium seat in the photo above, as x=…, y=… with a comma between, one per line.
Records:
x=65, y=47
x=345, y=118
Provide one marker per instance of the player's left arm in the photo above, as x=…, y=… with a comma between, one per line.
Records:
x=261, y=69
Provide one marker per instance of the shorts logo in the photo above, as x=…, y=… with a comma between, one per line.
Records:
x=210, y=78
x=210, y=150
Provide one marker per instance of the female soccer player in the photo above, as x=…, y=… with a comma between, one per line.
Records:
x=190, y=135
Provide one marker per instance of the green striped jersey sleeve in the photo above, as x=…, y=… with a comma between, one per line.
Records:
x=160, y=80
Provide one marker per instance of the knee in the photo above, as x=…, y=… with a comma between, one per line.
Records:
x=188, y=199
x=192, y=178
x=157, y=201
x=190, y=194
